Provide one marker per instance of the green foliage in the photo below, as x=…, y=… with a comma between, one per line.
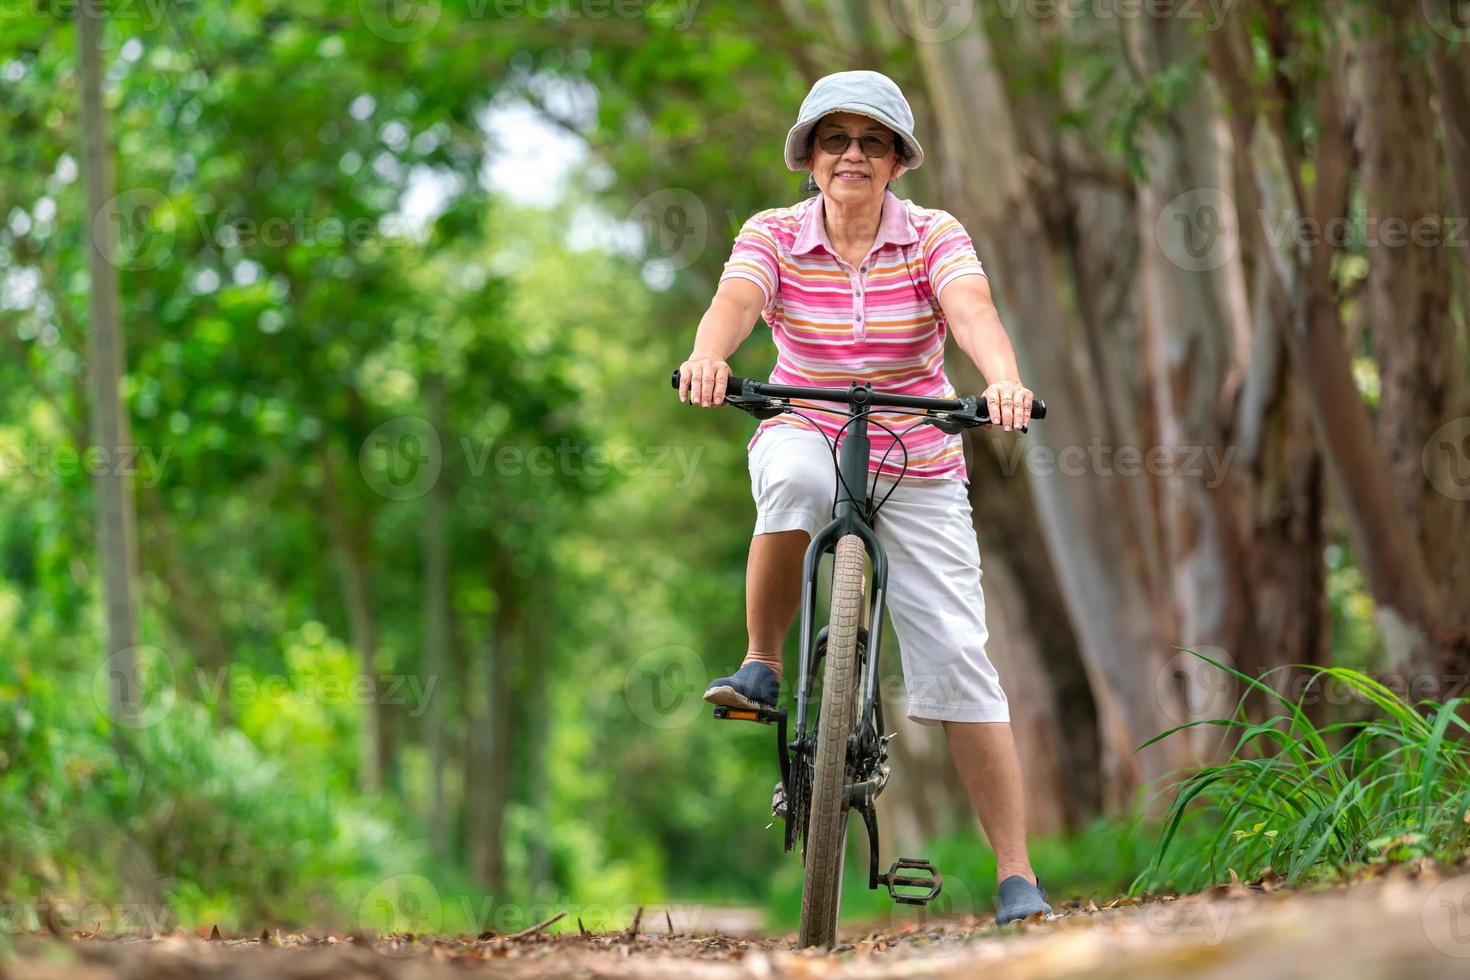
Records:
x=276, y=315
x=190, y=823
x=1303, y=800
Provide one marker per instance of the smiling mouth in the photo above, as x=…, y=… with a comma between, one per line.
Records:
x=852, y=176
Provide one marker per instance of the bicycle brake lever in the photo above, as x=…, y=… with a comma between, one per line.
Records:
x=967, y=416
x=760, y=406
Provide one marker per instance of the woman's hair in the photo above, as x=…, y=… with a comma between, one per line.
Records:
x=809, y=186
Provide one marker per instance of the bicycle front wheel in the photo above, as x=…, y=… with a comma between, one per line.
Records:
x=826, y=835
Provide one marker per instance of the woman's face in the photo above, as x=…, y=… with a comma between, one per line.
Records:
x=850, y=176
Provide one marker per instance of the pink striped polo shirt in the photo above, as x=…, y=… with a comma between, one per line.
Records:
x=833, y=323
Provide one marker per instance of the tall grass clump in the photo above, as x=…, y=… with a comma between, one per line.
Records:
x=1308, y=801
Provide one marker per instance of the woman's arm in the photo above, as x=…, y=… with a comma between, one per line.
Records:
x=723, y=328
x=977, y=329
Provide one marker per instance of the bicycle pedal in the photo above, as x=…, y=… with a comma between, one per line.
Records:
x=933, y=882
x=766, y=716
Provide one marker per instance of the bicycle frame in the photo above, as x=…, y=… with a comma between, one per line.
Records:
x=867, y=747
x=867, y=744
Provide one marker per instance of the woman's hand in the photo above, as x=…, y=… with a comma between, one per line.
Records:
x=1010, y=404
x=703, y=378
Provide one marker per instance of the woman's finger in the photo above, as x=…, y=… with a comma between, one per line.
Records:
x=722, y=377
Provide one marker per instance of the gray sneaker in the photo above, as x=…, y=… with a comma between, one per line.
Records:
x=1019, y=898
x=752, y=686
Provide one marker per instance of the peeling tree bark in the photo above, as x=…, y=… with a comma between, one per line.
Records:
x=1191, y=314
x=1103, y=572
x=1409, y=282
x=1408, y=601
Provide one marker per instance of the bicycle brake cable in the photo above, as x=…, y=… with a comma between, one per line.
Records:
x=839, y=482
x=902, y=470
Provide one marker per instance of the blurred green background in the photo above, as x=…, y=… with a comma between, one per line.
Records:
x=430, y=567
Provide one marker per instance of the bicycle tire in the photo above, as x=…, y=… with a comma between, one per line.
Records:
x=826, y=837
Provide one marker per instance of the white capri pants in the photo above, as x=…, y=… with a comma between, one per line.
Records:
x=933, y=597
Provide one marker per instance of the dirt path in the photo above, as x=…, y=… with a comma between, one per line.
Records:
x=1399, y=925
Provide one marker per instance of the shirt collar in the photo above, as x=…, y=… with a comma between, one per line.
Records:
x=894, y=227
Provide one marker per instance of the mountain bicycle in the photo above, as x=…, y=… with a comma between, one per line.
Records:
x=836, y=762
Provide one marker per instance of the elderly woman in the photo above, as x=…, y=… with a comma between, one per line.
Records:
x=857, y=284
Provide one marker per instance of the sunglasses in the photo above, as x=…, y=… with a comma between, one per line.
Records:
x=871, y=144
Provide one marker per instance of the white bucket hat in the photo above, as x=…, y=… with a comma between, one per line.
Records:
x=867, y=93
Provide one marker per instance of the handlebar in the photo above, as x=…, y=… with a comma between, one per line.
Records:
x=765, y=400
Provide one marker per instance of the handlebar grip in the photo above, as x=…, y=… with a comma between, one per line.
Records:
x=734, y=385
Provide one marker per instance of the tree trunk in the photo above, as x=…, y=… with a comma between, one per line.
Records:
x=1055, y=721
x=1408, y=602
x=1409, y=281
x=490, y=781
x=538, y=728
x=1452, y=93
x=1189, y=318
x=1102, y=569
x=347, y=541
x=436, y=631
x=194, y=608
x=116, y=543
